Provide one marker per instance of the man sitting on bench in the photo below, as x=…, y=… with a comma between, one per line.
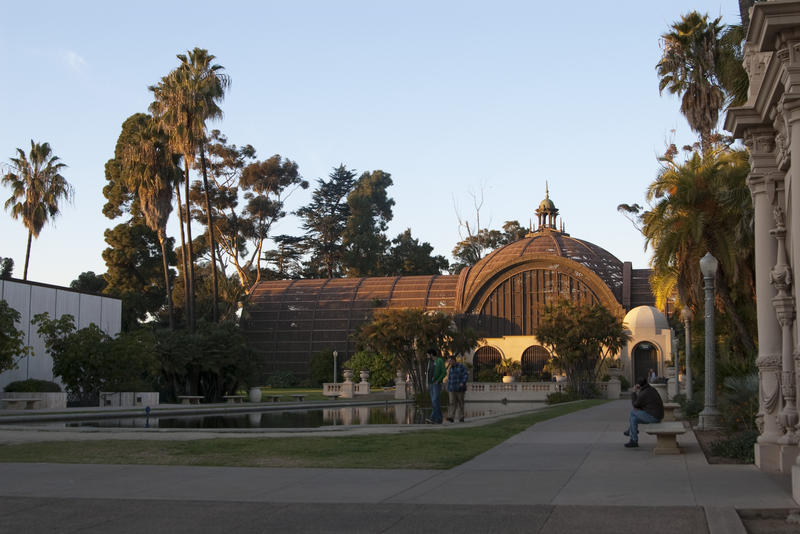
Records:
x=647, y=408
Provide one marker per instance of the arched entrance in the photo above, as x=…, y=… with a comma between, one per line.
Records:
x=645, y=357
x=533, y=360
x=485, y=358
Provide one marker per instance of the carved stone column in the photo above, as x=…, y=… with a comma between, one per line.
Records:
x=764, y=181
x=781, y=279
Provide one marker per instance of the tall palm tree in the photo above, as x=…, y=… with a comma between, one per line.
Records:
x=149, y=171
x=184, y=100
x=37, y=187
x=700, y=207
x=688, y=68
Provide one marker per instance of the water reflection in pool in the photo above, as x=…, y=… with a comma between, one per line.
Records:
x=383, y=414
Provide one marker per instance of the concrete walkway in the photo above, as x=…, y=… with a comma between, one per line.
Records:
x=569, y=474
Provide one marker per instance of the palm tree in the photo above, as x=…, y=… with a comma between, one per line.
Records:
x=689, y=68
x=701, y=205
x=149, y=172
x=184, y=100
x=37, y=187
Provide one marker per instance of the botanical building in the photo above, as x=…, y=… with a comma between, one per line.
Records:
x=503, y=295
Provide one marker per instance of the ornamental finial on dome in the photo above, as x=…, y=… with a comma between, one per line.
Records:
x=547, y=213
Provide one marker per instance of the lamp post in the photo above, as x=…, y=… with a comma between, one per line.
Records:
x=710, y=416
x=686, y=315
x=335, y=355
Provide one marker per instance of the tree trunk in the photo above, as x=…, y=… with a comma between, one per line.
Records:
x=730, y=308
x=167, y=289
x=190, y=277
x=211, y=241
x=27, y=256
x=183, y=257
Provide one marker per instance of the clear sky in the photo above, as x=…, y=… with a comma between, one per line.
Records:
x=450, y=97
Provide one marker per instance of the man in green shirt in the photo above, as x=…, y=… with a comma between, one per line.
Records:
x=435, y=373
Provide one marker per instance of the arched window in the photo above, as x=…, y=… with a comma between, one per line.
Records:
x=533, y=360
x=485, y=358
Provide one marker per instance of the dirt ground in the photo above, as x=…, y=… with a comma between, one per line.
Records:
x=705, y=438
x=773, y=521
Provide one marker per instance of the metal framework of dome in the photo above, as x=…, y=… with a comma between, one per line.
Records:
x=503, y=294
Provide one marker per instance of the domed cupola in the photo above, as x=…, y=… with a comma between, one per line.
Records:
x=546, y=213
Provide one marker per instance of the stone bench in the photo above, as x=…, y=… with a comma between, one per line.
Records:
x=666, y=436
x=274, y=398
x=670, y=408
x=233, y=399
x=190, y=399
x=21, y=403
x=299, y=397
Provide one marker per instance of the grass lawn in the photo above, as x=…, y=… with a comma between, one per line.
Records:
x=423, y=449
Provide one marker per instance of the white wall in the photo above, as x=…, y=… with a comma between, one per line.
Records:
x=30, y=299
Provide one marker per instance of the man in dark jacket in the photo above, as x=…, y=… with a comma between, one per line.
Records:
x=647, y=408
x=435, y=374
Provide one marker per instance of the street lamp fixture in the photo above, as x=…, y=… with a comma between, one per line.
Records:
x=710, y=416
x=687, y=315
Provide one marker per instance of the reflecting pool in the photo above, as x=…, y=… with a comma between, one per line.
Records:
x=382, y=414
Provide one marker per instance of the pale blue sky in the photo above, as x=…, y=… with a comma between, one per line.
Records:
x=449, y=97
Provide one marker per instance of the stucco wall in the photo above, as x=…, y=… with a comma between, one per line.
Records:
x=30, y=299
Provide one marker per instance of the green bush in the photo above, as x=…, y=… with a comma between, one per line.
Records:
x=12, y=341
x=689, y=408
x=32, y=385
x=381, y=368
x=740, y=446
x=88, y=360
x=282, y=379
x=739, y=403
x=488, y=375
x=561, y=396
x=320, y=369
x=624, y=384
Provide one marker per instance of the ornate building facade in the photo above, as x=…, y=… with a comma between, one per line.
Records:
x=502, y=295
x=769, y=125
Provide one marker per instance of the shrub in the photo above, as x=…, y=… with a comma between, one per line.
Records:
x=12, y=341
x=561, y=396
x=739, y=403
x=32, y=385
x=624, y=384
x=320, y=369
x=740, y=446
x=381, y=369
x=689, y=408
x=488, y=375
x=282, y=379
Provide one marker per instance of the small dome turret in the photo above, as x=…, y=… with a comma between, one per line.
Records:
x=546, y=213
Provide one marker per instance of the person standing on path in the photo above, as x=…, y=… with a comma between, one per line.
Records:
x=647, y=408
x=456, y=388
x=435, y=374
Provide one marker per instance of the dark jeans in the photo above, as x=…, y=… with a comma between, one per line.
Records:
x=436, y=413
x=636, y=417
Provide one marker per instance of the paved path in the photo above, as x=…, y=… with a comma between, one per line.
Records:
x=569, y=474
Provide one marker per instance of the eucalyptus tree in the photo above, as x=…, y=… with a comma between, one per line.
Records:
x=264, y=186
x=184, y=100
x=37, y=187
